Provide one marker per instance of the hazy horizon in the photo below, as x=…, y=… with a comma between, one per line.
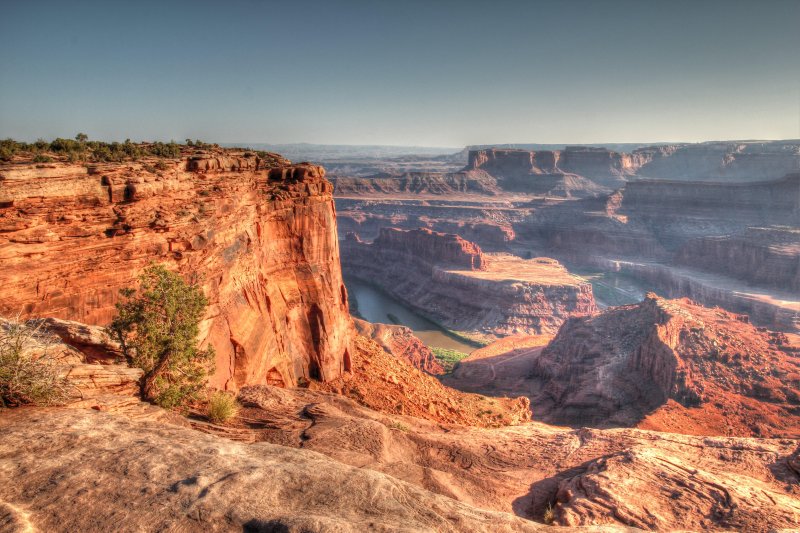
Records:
x=440, y=74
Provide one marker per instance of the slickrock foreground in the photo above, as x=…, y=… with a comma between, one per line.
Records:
x=80, y=470
x=258, y=233
x=454, y=282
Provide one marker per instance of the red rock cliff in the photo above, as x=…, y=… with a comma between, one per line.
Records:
x=433, y=247
x=259, y=236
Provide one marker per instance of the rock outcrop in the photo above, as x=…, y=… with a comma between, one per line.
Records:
x=585, y=476
x=258, y=234
x=120, y=474
x=401, y=343
x=452, y=281
x=670, y=365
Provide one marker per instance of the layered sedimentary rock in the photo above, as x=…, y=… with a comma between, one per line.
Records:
x=670, y=365
x=259, y=235
x=775, y=308
x=456, y=477
x=486, y=222
x=761, y=256
x=474, y=181
x=522, y=169
x=455, y=283
x=731, y=161
x=401, y=343
x=723, y=161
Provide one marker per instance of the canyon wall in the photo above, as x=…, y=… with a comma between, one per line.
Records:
x=761, y=256
x=477, y=182
x=670, y=365
x=485, y=223
x=453, y=282
x=726, y=161
x=717, y=161
x=259, y=235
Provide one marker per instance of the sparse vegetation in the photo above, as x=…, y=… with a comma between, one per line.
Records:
x=222, y=406
x=449, y=359
x=29, y=373
x=157, y=328
x=82, y=149
x=399, y=426
x=549, y=514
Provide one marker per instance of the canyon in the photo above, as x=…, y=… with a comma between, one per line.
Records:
x=452, y=281
x=351, y=425
x=707, y=231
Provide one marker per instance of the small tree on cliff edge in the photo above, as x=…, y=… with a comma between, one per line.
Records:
x=158, y=327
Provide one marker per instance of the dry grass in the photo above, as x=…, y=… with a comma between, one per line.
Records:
x=29, y=373
x=222, y=406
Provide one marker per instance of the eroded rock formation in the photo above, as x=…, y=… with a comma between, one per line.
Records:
x=454, y=282
x=670, y=365
x=258, y=234
x=400, y=342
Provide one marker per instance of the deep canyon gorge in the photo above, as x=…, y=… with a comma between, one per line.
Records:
x=566, y=406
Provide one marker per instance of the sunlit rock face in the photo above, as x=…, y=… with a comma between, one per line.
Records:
x=259, y=235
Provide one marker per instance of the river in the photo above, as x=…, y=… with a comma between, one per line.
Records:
x=375, y=306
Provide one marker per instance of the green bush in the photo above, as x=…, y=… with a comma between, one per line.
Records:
x=39, y=158
x=157, y=328
x=448, y=358
x=222, y=406
x=29, y=374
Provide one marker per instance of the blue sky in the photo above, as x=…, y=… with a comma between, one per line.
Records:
x=434, y=73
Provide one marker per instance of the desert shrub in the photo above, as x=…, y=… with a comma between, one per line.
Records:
x=157, y=327
x=448, y=358
x=40, y=158
x=161, y=165
x=29, y=373
x=222, y=406
x=549, y=514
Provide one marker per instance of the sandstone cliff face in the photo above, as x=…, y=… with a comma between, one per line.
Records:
x=432, y=247
x=470, y=182
x=761, y=256
x=670, y=365
x=260, y=237
x=451, y=280
x=486, y=223
x=726, y=161
x=521, y=168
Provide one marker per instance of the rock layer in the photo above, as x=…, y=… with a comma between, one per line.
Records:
x=452, y=281
x=259, y=235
